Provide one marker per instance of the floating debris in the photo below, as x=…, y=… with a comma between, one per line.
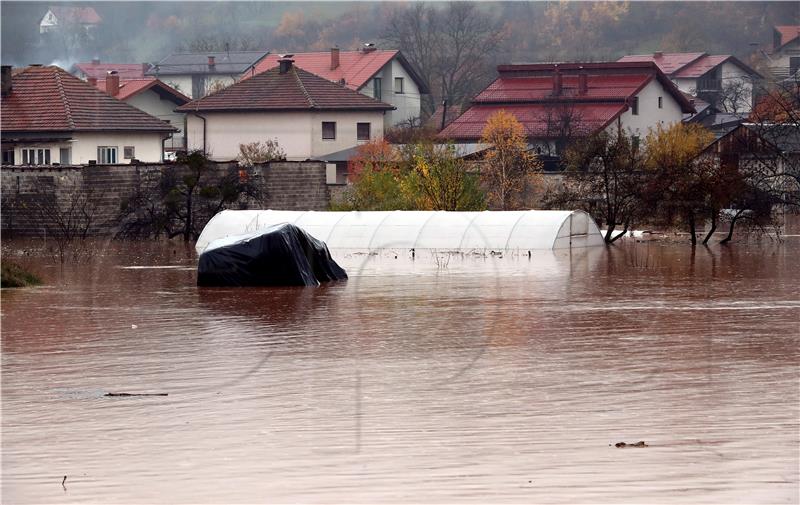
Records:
x=136, y=394
x=640, y=443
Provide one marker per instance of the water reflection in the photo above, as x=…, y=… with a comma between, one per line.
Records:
x=415, y=380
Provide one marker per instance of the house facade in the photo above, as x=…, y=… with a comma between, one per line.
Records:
x=556, y=103
x=783, y=58
x=153, y=97
x=51, y=117
x=197, y=74
x=307, y=115
x=381, y=74
x=721, y=80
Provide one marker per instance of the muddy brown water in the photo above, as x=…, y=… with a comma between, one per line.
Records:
x=438, y=379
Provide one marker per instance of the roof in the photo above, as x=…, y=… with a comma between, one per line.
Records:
x=83, y=15
x=133, y=87
x=48, y=99
x=527, y=92
x=126, y=71
x=355, y=67
x=687, y=65
x=294, y=90
x=230, y=62
x=435, y=120
x=787, y=33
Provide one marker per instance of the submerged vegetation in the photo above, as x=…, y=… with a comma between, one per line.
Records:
x=14, y=276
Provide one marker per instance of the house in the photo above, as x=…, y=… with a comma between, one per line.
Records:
x=783, y=58
x=558, y=102
x=385, y=75
x=51, y=117
x=98, y=70
x=153, y=97
x=308, y=116
x=197, y=74
x=721, y=80
x=57, y=18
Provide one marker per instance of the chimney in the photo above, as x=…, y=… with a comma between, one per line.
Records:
x=6, y=88
x=112, y=83
x=285, y=63
x=92, y=80
x=658, y=54
x=95, y=61
x=334, y=58
x=369, y=47
x=211, y=62
x=557, y=82
x=583, y=83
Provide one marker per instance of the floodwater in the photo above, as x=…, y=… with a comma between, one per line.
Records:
x=433, y=379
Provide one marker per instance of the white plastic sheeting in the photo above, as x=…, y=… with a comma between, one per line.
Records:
x=455, y=231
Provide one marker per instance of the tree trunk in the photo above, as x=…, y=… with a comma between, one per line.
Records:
x=609, y=232
x=692, y=230
x=730, y=231
x=620, y=235
x=712, y=230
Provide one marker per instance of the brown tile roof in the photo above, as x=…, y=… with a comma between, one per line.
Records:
x=296, y=89
x=50, y=99
x=133, y=87
x=687, y=65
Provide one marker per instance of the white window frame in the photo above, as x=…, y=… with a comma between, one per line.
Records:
x=35, y=156
x=399, y=80
x=103, y=157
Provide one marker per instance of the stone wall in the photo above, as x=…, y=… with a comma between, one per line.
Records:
x=282, y=185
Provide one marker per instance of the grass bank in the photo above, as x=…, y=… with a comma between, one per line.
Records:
x=14, y=276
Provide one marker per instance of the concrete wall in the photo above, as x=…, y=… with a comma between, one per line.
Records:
x=734, y=75
x=285, y=186
x=298, y=133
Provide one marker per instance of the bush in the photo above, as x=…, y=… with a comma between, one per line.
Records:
x=14, y=276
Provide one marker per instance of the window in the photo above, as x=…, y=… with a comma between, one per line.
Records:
x=8, y=156
x=129, y=152
x=106, y=155
x=362, y=131
x=635, y=106
x=794, y=65
x=32, y=156
x=398, y=85
x=329, y=130
x=661, y=102
x=377, y=92
x=65, y=155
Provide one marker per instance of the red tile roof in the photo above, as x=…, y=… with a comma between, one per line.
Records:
x=534, y=118
x=296, y=89
x=131, y=88
x=50, y=99
x=355, y=67
x=527, y=92
x=787, y=33
x=126, y=71
x=687, y=65
x=83, y=15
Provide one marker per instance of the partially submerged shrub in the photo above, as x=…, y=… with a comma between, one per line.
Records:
x=14, y=276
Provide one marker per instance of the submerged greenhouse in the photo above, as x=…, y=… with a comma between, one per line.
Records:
x=439, y=230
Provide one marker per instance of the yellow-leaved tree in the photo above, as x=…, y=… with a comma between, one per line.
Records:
x=509, y=172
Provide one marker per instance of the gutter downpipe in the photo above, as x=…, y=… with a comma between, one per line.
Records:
x=204, y=130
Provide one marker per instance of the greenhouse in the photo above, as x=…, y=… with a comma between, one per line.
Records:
x=440, y=230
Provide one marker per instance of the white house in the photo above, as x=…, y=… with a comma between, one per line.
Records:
x=556, y=103
x=308, y=116
x=57, y=18
x=721, y=80
x=385, y=75
x=51, y=117
x=784, y=56
x=197, y=74
x=153, y=97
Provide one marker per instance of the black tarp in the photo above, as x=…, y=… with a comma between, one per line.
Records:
x=282, y=255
